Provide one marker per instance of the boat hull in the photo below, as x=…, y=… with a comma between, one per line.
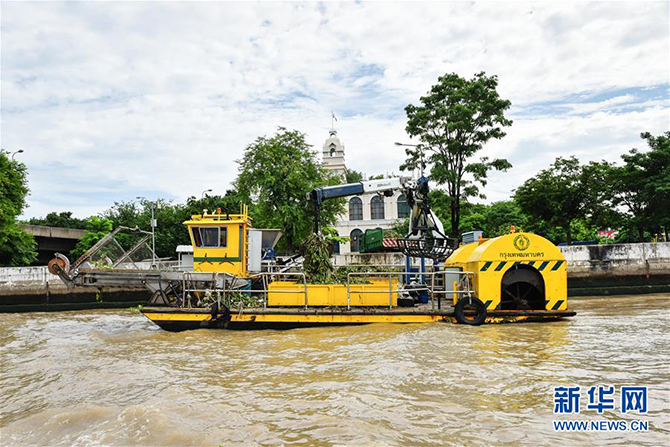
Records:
x=179, y=319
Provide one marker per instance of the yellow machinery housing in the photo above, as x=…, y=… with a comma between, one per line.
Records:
x=517, y=271
x=372, y=294
x=220, y=242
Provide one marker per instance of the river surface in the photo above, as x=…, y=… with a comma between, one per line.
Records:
x=110, y=377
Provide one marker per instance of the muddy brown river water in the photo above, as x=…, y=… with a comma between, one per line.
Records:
x=113, y=378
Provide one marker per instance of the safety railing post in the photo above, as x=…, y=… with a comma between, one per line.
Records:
x=390, y=292
x=348, y=292
x=304, y=282
x=432, y=292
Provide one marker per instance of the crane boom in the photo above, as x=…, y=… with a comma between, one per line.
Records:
x=318, y=195
x=426, y=233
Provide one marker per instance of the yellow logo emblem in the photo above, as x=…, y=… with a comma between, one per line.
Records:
x=521, y=242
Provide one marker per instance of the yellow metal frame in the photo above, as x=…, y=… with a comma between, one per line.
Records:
x=377, y=293
x=490, y=259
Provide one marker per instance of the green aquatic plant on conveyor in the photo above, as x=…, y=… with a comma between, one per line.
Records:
x=317, y=264
x=319, y=268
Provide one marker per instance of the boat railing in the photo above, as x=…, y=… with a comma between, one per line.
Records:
x=461, y=286
x=218, y=290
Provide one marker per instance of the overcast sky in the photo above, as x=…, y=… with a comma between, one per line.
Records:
x=116, y=100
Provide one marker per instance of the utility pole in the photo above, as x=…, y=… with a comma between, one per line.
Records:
x=153, y=236
x=153, y=231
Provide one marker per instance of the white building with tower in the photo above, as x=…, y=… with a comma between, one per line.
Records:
x=363, y=212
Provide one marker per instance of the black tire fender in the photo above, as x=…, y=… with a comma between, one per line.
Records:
x=459, y=311
x=219, y=317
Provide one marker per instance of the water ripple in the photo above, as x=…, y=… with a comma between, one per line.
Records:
x=112, y=378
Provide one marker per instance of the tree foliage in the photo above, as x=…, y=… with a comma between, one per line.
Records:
x=634, y=196
x=555, y=196
x=16, y=246
x=454, y=121
x=60, y=220
x=276, y=174
x=96, y=229
x=641, y=186
x=353, y=176
x=170, y=217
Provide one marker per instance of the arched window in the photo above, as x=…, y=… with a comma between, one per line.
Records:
x=332, y=149
x=355, y=239
x=377, y=208
x=403, y=208
x=355, y=208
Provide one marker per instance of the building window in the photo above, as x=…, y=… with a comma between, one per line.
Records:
x=336, y=247
x=355, y=237
x=403, y=208
x=377, y=208
x=332, y=149
x=355, y=209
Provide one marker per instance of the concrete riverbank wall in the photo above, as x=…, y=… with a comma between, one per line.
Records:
x=34, y=289
x=618, y=269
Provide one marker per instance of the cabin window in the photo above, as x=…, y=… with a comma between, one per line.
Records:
x=195, y=231
x=224, y=237
x=209, y=236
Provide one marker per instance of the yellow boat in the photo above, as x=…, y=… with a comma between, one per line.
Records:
x=514, y=277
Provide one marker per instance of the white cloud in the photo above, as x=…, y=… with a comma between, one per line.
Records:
x=115, y=100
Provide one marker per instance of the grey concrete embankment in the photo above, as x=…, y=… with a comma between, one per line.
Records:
x=34, y=289
x=618, y=269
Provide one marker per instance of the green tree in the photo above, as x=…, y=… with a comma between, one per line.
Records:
x=170, y=230
x=276, y=174
x=500, y=216
x=17, y=248
x=96, y=229
x=353, y=176
x=440, y=204
x=554, y=196
x=562, y=195
x=170, y=217
x=61, y=220
x=641, y=187
x=454, y=121
x=600, y=212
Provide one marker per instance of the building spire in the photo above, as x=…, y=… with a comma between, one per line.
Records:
x=332, y=120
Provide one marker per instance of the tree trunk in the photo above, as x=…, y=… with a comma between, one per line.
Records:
x=455, y=219
x=640, y=232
